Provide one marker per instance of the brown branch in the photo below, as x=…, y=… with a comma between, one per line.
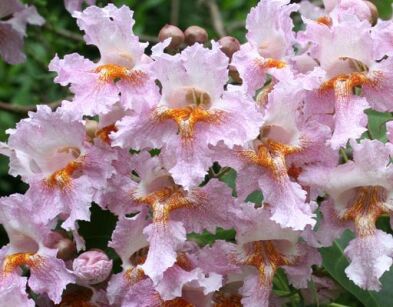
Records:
x=23, y=109
x=216, y=17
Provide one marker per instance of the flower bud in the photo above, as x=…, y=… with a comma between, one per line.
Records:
x=195, y=34
x=229, y=45
x=373, y=12
x=92, y=267
x=173, y=32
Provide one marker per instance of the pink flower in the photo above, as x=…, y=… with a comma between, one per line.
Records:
x=348, y=53
x=122, y=73
x=51, y=153
x=288, y=142
x=27, y=233
x=269, y=42
x=361, y=190
x=13, y=30
x=193, y=113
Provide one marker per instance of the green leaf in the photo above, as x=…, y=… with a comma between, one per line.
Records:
x=335, y=262
x=377, y=124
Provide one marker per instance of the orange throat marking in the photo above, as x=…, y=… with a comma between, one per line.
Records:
x=264, y=256
x=344, y=84
x=164, y=201
x=269, y=63
x=324, y=20
x=104, y=133
x=271, y=156
x=63, y=177
x=14, y=261
x=113, y=72
x=365, y=207
x=187, y=117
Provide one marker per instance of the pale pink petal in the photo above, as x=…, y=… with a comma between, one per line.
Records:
x=270, y=28
x=128, y=238
x=76, y=5
x=209, y=208
x=300, y=273
x=350, y=120
x=164, y=241
x=379, y=90
x=50, y=276
x=13, y=291
x=370, y=257
x=254, y=292
x=11, y=44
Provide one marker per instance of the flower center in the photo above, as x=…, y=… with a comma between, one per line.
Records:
x=63, y=177
x=189, y=96
x=17, y=260
x=177, y=302
x=264, y=256
x=104, y=133
x=113, y=72
x=270, y=155
x=367, y=204
x=187, y=117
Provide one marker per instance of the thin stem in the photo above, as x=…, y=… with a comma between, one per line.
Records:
x=23, y=109
x=216, y=17
x=175, y=9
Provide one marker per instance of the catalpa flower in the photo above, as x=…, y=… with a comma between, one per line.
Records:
x=356, y=77
x=262, y=247
x=361, y=191
x=193, y=113
x=51, y=153
x=175, y=212
x=13, y=29
x=122, y=73
x=27, y=233
x=132, y=286
x=269, y=42
x=287, y=143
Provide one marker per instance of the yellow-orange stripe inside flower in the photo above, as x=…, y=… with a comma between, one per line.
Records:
x=166, y=200
x=344, y=84
x=104, y=133
x=113, y=72
x=186, y=118
x=366, y=206
x=63, y=177
x=271, y=155
x=264, y=256
x=324, y=20
x=14, y=261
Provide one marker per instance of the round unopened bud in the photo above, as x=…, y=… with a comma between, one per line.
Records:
x=374, y=12
x=66, y=249
x=92, y=267
x=173, y=32
x=195, y=34
x=229, y=45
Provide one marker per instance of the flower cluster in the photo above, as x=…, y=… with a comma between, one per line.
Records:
x=149, y=135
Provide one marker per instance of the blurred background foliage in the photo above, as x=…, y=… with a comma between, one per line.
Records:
x=30, y=83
